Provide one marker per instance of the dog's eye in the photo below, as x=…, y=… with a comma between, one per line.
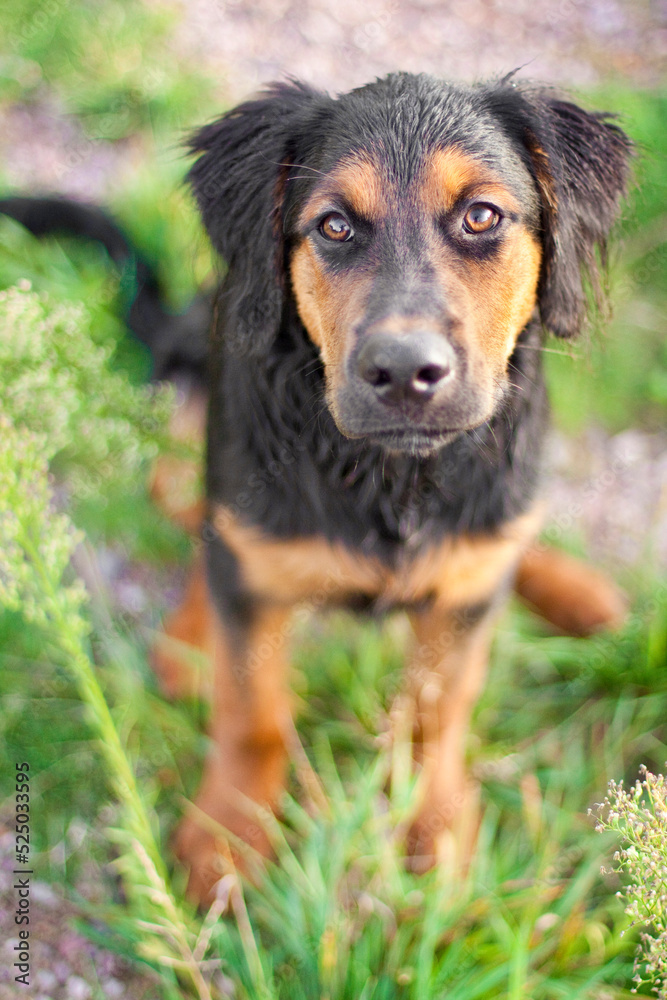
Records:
x=480, y=219
x=335, y=227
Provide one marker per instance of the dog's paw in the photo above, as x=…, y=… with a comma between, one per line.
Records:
x=206, y=859
x=444, y=832
x=182, y=670
x=238, y=845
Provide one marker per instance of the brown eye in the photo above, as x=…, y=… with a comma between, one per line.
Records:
x=335, y=227
x=480, y=219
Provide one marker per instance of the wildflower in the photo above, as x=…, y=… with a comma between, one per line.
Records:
x=640, y=817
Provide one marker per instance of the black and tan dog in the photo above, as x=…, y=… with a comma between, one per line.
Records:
x=395, y=258
x=377, y=408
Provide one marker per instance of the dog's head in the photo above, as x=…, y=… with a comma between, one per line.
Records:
x=418, y=226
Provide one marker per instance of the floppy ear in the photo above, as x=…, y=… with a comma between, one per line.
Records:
x=580, y=164
x=236, y=181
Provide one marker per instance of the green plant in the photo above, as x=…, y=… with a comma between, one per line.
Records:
x=639, y=817
x=52, y=376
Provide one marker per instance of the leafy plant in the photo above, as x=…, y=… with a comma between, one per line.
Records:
x=52, y=376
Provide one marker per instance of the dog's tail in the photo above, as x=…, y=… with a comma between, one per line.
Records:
x=177, y=341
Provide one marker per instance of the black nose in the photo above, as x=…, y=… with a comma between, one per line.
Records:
x=406, y=368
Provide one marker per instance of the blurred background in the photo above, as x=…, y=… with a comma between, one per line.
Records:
x=82, y=83
x=96, y=100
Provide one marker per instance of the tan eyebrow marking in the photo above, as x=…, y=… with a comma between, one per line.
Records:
x=358, y=182
x=452, y=174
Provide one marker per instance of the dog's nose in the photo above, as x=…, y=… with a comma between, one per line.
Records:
x=406, y=368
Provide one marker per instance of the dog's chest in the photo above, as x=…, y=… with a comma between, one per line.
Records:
x=454, y=572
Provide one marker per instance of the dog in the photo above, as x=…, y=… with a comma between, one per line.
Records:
x=376, y=410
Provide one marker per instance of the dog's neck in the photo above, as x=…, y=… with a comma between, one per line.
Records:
x=295, y=474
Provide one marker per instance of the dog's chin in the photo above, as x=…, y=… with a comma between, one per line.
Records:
x=418, y=444
x=415, y=442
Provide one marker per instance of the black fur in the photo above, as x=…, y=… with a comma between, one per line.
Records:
x=273, y=416
x=232, y=603
x=235, y=182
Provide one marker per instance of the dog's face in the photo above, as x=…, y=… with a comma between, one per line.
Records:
x=415, y=262
x=417, y=226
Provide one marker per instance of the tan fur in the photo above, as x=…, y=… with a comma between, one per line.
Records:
x=458, y=572
x=356, y=181
x=544, y=175
x=445, y=679
x=186, y=632
x=245, y=768
x=451, y=175
x=498, y=295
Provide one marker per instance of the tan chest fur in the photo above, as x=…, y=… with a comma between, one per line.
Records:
x=456, y=572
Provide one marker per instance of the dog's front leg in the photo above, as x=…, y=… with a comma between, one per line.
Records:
x=446, y=678
x=245, y=768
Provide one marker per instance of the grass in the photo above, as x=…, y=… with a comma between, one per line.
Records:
x=338, y=915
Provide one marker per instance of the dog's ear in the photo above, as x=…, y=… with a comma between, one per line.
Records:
x=237, y=183
x=580, y=164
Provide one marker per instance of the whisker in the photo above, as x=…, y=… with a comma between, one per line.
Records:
x=523, y=374
x=299, y=166
x=299, y=177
